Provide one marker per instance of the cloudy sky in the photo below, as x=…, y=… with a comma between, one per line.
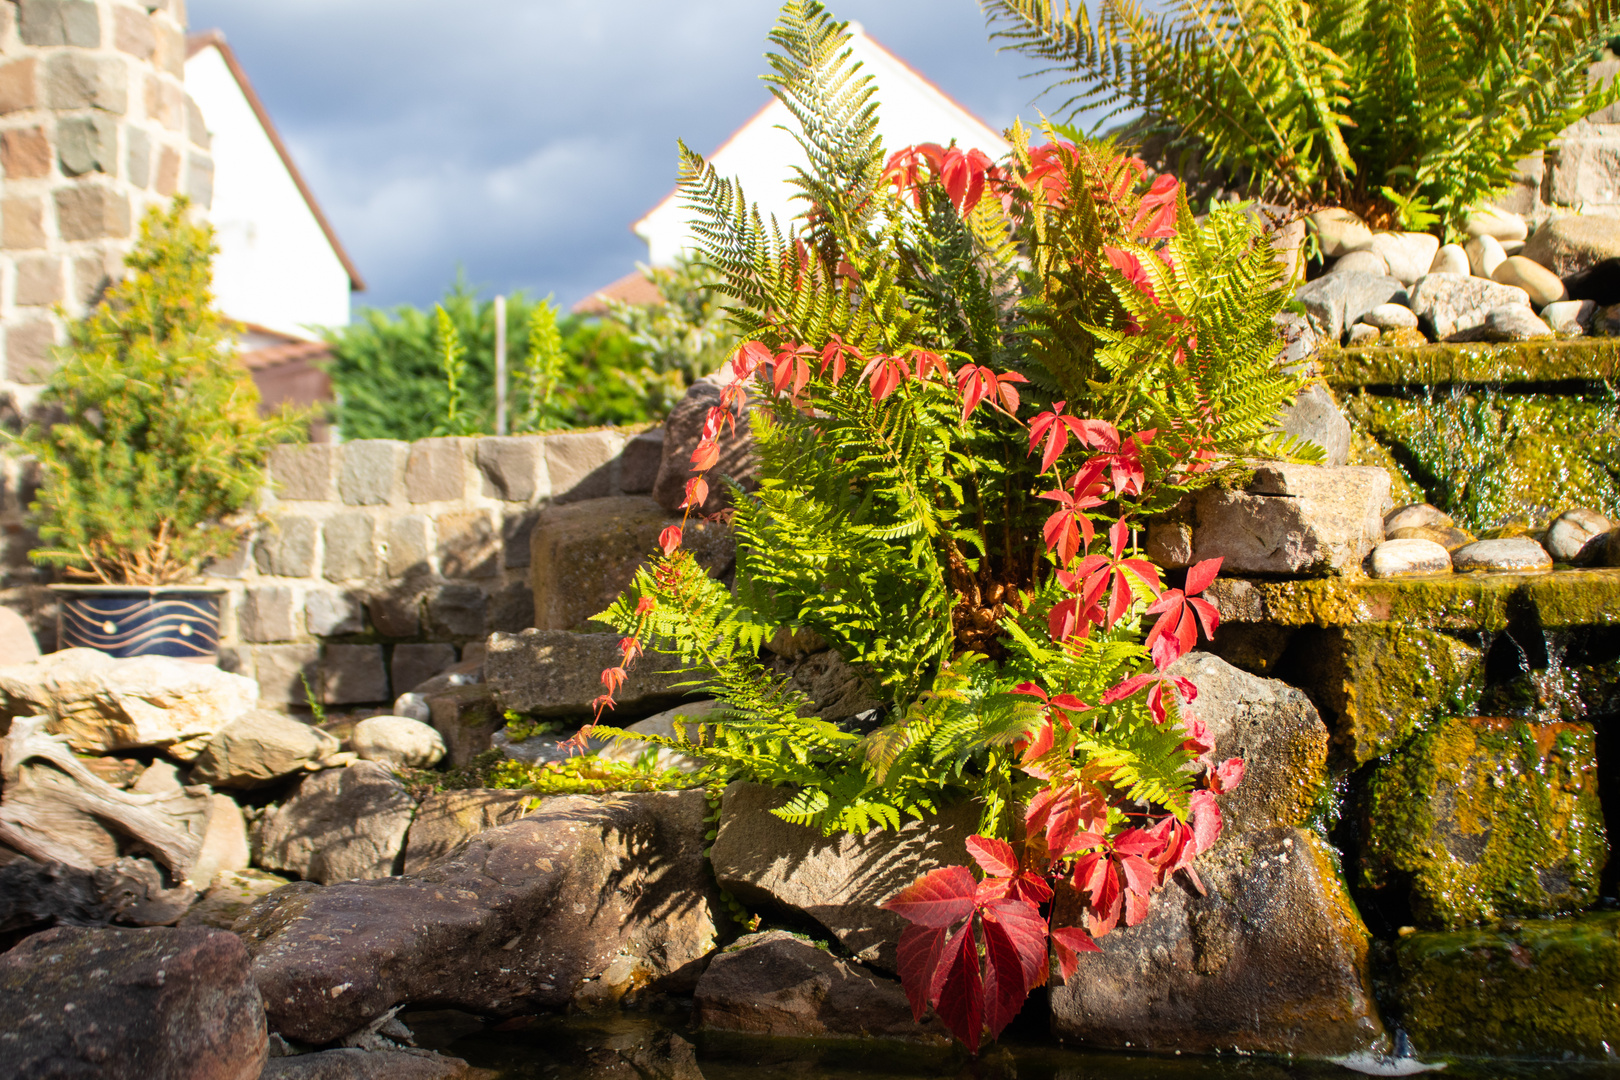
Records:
x=520, y=138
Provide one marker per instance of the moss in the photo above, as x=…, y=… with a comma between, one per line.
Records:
x=1487, y=819
x=1581, y=359
x=1546, y=988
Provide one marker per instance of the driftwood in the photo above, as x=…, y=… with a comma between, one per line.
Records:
x=37, y=815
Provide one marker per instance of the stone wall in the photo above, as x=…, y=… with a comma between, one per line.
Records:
x=1580, y=171
x=95, y=125
x=383, y=562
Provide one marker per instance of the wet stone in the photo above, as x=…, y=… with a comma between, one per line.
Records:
x=1517, y=554
x=1447, y=536
x=1390, y=317
x=1415, y=514
x=1405, y=558
x=1572, y=531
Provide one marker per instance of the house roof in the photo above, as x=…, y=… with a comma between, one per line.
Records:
x=196, y=43
x=634, y=288
x=262, y=347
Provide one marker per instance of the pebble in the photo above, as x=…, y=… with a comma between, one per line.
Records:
x=1390, y=317
x=1517, y=554
x=1339, y=232
x=1539, y=283
x=1573, y=531
x=1513, y=322
x=1416, y=515
x=1447, y=536
x=1405, y=337
x=1569, y=316
x=1493, y=221
x=1485, y=254
x=1363, y=334
x=397, y=740
x=1450, y=259
x=1404, y=558
x=1512, y=247
x=1408, y=254
x=1368, y=262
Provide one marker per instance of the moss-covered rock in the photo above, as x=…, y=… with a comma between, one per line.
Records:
x=1376, y=682
x=1485, y=819
x=1582, y=359
x=1545, y=988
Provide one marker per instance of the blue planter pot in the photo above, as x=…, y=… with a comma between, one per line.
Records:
x=134, y=620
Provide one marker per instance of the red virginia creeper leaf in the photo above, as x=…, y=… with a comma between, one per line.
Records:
x=919, y=957
x=938, y=898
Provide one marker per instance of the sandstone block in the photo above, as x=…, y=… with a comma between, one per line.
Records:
x=305, y=473
x=436, y=470
x=466, y=717
x=269, y=613
x=353, y=674
x=91, y=211
x=86, y=144
x=556, y=673
x=1316, y=416
x=39, y=280
x=468, y=544
x=683, y=430
x=79, y=81
x=339, y=825
x=23, y=224
x=259, y=748
x=25, y=153
x=517, y=537
x=137, y=156
x=413, y=665
x=282, y=672
x=410, y=545
x=373, y=471
x=457, y=611
x=351, y=546
x=582, y=464
x=133, y=33
x=332, y=612
x=396, y=614
x=514, y=467
x=28, y=350
x=59, y=22
x=167, y=179
x=640, y=461
x=286, y=548
x=1586, y=171
x=18, y=89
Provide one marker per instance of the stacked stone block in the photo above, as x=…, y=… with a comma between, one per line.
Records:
x=95, y=126
x=383, y=562
x=1580, y=171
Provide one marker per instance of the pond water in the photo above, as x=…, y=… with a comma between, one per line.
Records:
x=664, y=1046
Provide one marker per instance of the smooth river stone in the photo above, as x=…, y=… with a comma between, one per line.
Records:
x=1516, y=554
x=1403, y=558
x=1367, y=262
x=1491, y=221
x=1569, y=316
x=1339, y=231
x=1361, y=334
x=1447, y=536
x=1409, y=254
x=1390, y=317
x=1450, y=259
x=1485, y=254
x=1543, y=286
x=1414, y=515
x=1573, y=530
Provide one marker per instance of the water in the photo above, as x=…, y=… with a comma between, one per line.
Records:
x=641, y=1046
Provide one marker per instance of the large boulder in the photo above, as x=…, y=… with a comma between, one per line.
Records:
x=779, y=984
x=130, y=1005
x=1335, y=303
x=838, y=881
x=583, y=902
x=584, y=554
x=338, y=825
x=448, y=819
x=683, y=429
x=1569, y=245
x=553, y=673
x=258, y=748
x=229, y=898
x=397, y=741
x=104, y=704
x=1290, y=519
x=1316, y=417
x=1453, y=307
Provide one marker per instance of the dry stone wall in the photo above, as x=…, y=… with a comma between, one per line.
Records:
x=95, y=125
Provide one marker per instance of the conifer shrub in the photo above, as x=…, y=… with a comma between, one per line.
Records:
x=159, y=452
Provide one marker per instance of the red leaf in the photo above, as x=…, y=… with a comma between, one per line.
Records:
x=706, y=455
x=1015, y=953
x=995, y=857
x=958, y=989
x=670, y=539
x=1227, y=775
x=919, y=957
x=938, y=898
x=1200, y=575
x=1070, y=942
x=697, y=492
x=1205, y=819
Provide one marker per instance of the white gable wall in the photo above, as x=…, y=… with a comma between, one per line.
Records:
x=275, y=267
x=760, y=156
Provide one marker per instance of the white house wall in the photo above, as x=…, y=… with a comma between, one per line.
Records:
x=275, y=267
x=760, y=156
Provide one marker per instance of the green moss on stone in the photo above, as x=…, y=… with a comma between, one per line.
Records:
x=1579, y=359
x=1539, y=989
x=1487, y=819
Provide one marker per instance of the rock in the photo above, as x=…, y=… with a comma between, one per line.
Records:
x=781, y=985
x=1571, y=532
x=413, y=706
x=1337, y=302
x=1569, y=245
x=448, y=819
x=582, y=902
x=838, y=881
x=1363, y=262
x=1403, y=338
x=1479, y=819
x=1390, y=317
x=35, y=895
x=1409, y=254
x=662, y=724
x=1566, y=973
x=229, y=898
x=1449, y=304
x=838, y=691
x=136, y=892
x=1512, y=322
x=1272, y=960
x=1540, y=284
x=1415, y=514
x=1362, y=335
x=1497, y=223
x=1569, y=316
x=1315, y=416
x=339, y=825
x=1485, y=255
x=682, y=432
x=225, y=843
x=131, y=1005
x=1291, y=519
x=466, y=718
x=397, y=741
x=401, y=1063
x=1299, y=340
x=102, y=704
x=1518, y=554
x=259, y=748
x=1450, y=259
x=1273, y=727
x=17, y=644
x=583, y=555
x=157, y=778
x=1339, y=232
x=1407, y=558
x=1447, y=536
x=552, y=673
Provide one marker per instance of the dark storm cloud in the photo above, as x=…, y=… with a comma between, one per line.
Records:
x=520, y=138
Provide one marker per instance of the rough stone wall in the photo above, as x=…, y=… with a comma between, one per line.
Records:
x=383, y=562
x=95, y=125
x=1580, y=171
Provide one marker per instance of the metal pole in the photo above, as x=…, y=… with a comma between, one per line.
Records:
x=500, y=365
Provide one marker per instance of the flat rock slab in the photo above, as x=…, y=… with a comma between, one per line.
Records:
x=838, y=881
x=403, y=1064
x=1272, y=960
x=557, y=673
x=579, y=904
x=339, y=825
x=448, y=819
x=102, y=704
x=781, y=985
x=179, y=1004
